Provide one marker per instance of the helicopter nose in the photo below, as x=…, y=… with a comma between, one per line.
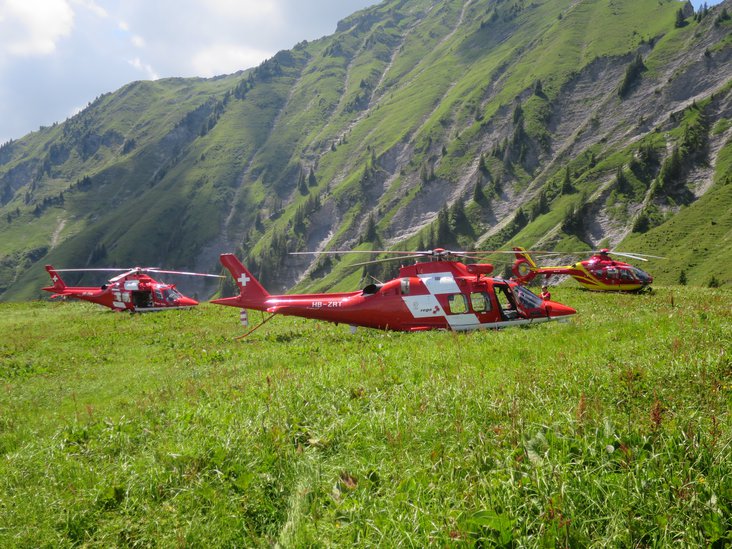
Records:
x=554, y=309
x=187, y=302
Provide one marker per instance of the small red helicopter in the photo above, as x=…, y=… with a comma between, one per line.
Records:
x=599, y=273
x=438, y=294
x=132, y=290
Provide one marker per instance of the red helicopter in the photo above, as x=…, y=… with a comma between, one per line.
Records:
x=438, y=294
x=132, y=290
x=599, y=273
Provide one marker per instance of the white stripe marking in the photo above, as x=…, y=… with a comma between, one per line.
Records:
x=440, y=283
x=423, y=306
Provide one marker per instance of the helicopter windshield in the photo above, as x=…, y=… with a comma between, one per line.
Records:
x=641, y=275
x=527, y=298
x=171, y=295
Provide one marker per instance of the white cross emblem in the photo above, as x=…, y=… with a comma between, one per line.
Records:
x=243, y=279
x=54, y=279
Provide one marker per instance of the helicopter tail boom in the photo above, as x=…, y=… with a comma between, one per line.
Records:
x=252, y=294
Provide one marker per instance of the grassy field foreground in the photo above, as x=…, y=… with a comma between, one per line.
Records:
x=161, y=429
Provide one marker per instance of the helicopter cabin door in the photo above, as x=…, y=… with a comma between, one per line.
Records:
x=506, y=301
x=141, y=298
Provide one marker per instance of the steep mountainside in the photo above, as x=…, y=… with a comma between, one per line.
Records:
x=564, y=124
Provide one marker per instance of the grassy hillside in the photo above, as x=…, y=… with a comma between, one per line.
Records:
x=554, y=123
x=163, y=429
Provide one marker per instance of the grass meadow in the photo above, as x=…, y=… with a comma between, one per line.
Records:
x=612, y=429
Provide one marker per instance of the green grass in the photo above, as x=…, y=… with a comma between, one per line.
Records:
x=162, y=429
x=198, y=145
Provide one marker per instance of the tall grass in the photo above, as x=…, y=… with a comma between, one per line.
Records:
x=162, y=429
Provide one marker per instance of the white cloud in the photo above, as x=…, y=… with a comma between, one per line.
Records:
x=93, y=7
x=83, y=48
x=33, y=27
x=226, y=58
x=145, y=68
x=245, y=10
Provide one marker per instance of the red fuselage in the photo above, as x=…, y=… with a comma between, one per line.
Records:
x=136, y=292
x=432, y=295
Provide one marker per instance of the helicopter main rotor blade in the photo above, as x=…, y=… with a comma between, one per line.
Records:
x=182, y=273
x=111, y=269
x=631, y=256
x=338, y=252
x=638, y=256
x=121, y=276
x=381, y=260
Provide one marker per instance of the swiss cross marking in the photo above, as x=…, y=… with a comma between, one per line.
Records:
x=243, y=279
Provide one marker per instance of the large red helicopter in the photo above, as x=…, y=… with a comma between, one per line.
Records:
x=133, y=290
x=441, y=293
x=599, y=273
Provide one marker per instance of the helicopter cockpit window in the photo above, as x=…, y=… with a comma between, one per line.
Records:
x=405, y=286
x=527, y=298
x=457, y=304
x=625, y=274
x=171, y=295
x=612, y=272
x=480, y=302
x=640, y=275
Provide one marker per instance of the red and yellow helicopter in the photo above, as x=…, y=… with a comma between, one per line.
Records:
x=599, y=273
x=133, y=290
x=441, y=293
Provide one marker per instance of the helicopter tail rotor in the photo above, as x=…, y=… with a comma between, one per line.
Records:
x=524, y=268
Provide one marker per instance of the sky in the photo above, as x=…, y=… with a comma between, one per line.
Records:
x=56, y=56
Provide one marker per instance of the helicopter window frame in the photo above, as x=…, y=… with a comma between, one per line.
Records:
x=639, y=274
x=457, y=306
x=480, y=302
x=171, y=295
x=404, y=286
x=527, y=299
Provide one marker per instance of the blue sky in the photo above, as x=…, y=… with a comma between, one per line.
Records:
x=56, y=56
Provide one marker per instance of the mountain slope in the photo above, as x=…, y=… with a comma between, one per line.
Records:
x=555, y=123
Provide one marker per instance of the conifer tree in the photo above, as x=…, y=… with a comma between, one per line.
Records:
x=567, y=186
x=301, y=184
x=478, y=194
x=443, y=227
x=680, y=19
x=621, y=181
